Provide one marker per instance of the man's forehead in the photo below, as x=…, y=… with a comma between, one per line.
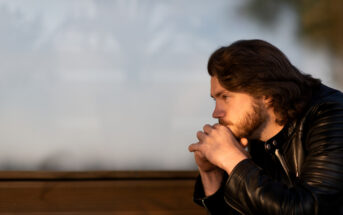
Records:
x=216, y=87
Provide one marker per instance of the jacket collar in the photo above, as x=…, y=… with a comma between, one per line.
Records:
x=280, y=138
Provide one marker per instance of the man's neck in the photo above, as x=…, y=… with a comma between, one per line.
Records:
x=270, y=127
x=270, y=131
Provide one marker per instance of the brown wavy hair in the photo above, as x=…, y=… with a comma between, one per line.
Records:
x=260, y=69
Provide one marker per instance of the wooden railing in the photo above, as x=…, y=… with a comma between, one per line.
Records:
x=98, y=192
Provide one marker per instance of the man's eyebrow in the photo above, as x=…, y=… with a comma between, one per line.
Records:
x=217, y=94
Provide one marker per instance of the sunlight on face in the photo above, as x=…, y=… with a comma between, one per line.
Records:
x=242, y=113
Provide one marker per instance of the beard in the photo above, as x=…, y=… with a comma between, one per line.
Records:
x=250, y=123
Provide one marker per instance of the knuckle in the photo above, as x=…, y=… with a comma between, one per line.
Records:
x=199, y=135
x=207, y=126
x=208, y=130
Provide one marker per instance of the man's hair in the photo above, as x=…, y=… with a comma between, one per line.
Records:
x=260, y=69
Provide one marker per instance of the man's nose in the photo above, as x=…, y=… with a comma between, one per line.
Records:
x=218, y=112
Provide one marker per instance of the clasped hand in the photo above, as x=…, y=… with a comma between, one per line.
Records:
x=218, y=147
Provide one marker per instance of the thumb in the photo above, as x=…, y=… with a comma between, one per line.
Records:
x=193, y=147
x=244, y=142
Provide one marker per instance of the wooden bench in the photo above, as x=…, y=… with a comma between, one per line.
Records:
x=98, y=192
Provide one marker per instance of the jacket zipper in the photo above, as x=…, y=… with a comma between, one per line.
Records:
x=283, y=164
x=203, y=203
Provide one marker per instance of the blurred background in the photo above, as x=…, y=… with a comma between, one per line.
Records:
x=122, y=84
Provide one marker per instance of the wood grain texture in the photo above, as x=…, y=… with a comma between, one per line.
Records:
x=126, y=193
x=95, y=175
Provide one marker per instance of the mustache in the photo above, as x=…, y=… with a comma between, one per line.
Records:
x=222, y=122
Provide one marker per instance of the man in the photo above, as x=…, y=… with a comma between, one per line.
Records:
x=292, y=126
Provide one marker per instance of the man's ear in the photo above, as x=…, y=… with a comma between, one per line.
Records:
x=267, y=101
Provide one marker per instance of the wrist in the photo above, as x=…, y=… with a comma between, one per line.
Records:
x=211, y=180
x=230, y=163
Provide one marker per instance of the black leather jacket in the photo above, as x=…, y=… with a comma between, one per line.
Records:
x=298, y=171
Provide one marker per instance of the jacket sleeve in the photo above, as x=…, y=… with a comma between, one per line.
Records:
x=318, y=188
x=214, y=204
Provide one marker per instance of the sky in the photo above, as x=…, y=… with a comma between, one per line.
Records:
x=122, y=84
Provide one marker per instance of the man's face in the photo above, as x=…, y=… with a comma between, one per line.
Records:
x=242, y=113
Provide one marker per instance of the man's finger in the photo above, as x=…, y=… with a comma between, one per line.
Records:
x=207, y=128
x=226, y=128
x=200, y=135
x=199, y=153
x=194, y=147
